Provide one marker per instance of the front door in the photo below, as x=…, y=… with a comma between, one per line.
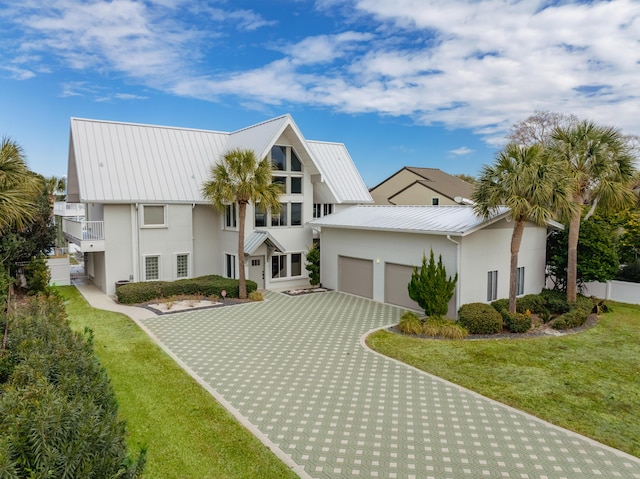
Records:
x=256, y=270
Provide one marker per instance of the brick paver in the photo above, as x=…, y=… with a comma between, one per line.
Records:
x=295, y=368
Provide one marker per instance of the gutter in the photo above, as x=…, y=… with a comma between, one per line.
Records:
x=458, y=271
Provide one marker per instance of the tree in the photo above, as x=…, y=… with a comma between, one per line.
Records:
x=430, y=287
x=538, y=128
x=531, y=185
x=18, y=187
x=313, y=264
x=598, y=161
x=467, y=178
x=239, y=178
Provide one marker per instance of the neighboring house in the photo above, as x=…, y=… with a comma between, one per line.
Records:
x=421, y=186
x=146, y=219
x=371, y=250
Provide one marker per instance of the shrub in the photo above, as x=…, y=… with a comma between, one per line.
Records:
x=5, y=282
x=480, y=318
x=518, y=322
x=450, y=330
x=430, y=288
x=211, y=285
x=630, y=273
x=573, y=319
x=38, y=275
x=532, y=302
x=555, y=301
x=501, y=305
x=256, y=296
x=313, y=264
x=410, y=323
x=583, y=303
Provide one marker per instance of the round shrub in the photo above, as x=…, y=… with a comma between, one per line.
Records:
x=532, y=302
x=518, y=323
x=410, y=323
x=480, y=318
x=501, y=304
x=573, y=319
x=555, y=301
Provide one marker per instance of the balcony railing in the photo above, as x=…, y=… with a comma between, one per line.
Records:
x=62, y=208
x=83, y=230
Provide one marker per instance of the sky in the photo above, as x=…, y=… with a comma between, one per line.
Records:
x=426, y=83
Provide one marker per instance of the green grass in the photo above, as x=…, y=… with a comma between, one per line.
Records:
x=587, y=382
x=187, y=432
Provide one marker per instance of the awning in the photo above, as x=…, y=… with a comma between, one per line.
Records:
x=255, y=240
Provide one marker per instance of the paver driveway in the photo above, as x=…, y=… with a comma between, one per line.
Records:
x=295, y=368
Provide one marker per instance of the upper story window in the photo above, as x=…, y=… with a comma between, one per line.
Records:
x=296, y=165
x=322, y=209
x=260, y=217
x=285, y=159
x=435, y=201
x=230, y=216
x=154, y=216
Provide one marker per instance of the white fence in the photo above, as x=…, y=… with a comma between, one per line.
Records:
x=614, y=290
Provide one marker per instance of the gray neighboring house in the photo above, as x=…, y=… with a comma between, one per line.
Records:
x=371, y=250
x=145, y=217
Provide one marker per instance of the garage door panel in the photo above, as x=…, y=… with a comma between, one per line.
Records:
x=355, y=276
x=396, y=280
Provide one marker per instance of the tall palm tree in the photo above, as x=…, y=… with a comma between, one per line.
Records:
x=19, y=187
x=598, y=160
x=239, y=178
x=531, y=185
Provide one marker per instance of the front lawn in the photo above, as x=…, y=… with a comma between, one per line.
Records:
x=587, y=382
x=188, y=433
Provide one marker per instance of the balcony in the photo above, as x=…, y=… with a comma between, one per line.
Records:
x=74, y=210
x=88, y=235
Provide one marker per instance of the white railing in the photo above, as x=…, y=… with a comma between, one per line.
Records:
x=621, y=291
x=62, y=208
x=83, y=230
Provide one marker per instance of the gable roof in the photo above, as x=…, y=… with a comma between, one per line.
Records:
x=115, y=162
x=435, y=179
x=440, y=220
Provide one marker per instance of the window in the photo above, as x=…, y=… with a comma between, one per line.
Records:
x=153, y=215
x=151, y=268
x=296, y=185
x=295, y=162
x=182, y=266
x=280, y=219
x=296, y=264
x=520, y=281
x=296, y=214
x=280, y=180
x=327, y=209
x=317, y=210
x=279, y=157
x=492, y=285
x=230, y=265
x=260, y=217
x=435, y=201
x=255, y=262
x=279, y=266
x=230, y=216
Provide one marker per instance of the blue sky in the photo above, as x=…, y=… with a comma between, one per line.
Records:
x=432, y=83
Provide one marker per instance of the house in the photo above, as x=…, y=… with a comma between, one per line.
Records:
x=371, y=250
x=146, y=219
x=421, y=186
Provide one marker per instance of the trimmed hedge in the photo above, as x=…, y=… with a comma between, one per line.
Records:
x=211, y=285
x=532, y=302
x=573, y=319
x=518, y=323
x=480, y=318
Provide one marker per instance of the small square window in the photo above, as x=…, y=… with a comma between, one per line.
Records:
x=282, y=181
x=151, y=268
x=153, y=215
x=435, y=201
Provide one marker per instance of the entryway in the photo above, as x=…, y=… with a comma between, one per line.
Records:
x=256, y=270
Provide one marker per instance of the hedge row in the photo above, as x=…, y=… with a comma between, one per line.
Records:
x=58, y=412
x=212, y=285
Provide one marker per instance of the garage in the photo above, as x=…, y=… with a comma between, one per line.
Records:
x=396, y=279
x=355, y=276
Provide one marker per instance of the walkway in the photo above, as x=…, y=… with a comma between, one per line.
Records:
x=295, y=371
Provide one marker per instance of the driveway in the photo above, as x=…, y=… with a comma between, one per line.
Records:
x=294, y=370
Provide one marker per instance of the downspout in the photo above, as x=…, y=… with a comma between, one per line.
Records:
x=136, y=244
x=458, y=271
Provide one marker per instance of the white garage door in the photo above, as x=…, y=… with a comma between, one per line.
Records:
x=355, y=276
x=396, y=279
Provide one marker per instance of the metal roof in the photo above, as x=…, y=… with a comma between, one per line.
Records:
x=114, y=162
x=255, y=240
x=453, y=220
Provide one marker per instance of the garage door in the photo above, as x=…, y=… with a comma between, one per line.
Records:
x=396, y=279
x=355, y=276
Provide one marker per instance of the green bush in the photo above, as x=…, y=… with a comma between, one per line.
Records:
x=532, y=302
x=443, y=328
x=480, y=318
x=630, y=272
x=518, y=322
x=573, y=319
x=212, y=285
x=583, y=303
x=555, y=301
x=5, y=282
x=38, y=275
x=58, y=412
x=501, y=305
x=410, y=323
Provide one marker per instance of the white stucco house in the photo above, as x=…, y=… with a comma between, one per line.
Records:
x=371, y=251
x=146, y=219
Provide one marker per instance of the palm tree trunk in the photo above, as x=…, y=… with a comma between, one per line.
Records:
x=242, y=213
x=572, y=256
x=516, y=240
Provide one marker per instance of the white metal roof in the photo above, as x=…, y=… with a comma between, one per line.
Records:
x=453, y=220
x=255, y=240
x=114, y=162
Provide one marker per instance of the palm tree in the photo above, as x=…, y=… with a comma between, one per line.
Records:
x=531, y=185
x=598, y=160
x=239, y=178
x=19, y=188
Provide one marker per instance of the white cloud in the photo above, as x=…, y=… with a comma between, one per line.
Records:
x=463, y=150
